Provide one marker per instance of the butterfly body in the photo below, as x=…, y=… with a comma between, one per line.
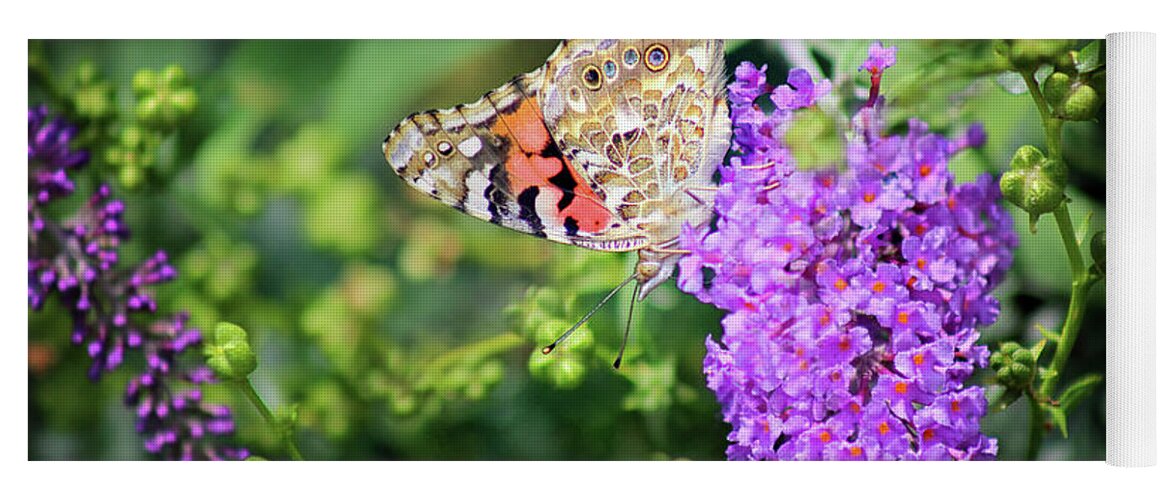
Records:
x=610, y=145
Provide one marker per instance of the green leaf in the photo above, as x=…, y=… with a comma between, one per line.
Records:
x=1006, y=398
x=1091, y=57
x=1058, y=416
x=1085, y=228
x=1078, y=391
x=1039, y=347
x=1012, y=82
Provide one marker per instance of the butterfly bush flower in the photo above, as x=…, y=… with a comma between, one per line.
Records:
x=853, y=295
x=76, y=260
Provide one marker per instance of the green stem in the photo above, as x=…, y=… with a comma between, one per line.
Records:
x=1079, y=292
x=1051, y=124
x=1082, y=280
x=1077, y=266
x=285, y=433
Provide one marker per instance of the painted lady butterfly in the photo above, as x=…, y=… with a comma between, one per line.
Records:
x=610, y=145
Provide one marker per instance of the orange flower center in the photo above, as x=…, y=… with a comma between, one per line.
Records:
x=879, y=287
x=840, y=284
x=904, y=318
x=924, y=170
x=901, y=387
x=918, y=359
x=883, y=428
x=928, y=434
x=825, y=436
x=855, y=451
x=869, y=197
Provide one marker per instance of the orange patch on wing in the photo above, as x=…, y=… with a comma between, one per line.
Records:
x=525, y=126
x=527, y=168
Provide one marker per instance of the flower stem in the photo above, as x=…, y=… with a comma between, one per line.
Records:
x=1082, y=280
x=276, y=427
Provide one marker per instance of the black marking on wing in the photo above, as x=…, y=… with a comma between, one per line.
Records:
x=564, y=178
x=497, y=199
x=571, y=226
x=528, y=209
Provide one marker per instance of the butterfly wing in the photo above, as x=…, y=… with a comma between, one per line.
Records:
x=602, y=164
x=494, y=159
x=644, y=122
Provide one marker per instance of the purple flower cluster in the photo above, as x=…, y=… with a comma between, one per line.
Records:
x=854, y=294
x=50, y=157
x=176, y=423
x=76, y=259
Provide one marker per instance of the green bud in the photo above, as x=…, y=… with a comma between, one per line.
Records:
x=1056, y=88
x=143, y=82
x=133, y=152
x=174, y=76
x=184, y=101
x=130, y=176
x=92, y=97
x=1015, y=366
x=1004, y=375
x=1024, y=358
x=1034, y=183
x=1098, y=250
x=164, y=98
x=147, y=108
x=564, y=370
x=1066, y=62
x=229, y=353
x=1030, y=53
x=1020, y=373
x=1081, y=104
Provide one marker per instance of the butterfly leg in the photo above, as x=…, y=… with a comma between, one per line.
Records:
x=549, y=348
x=705, y=203
x=626, y=334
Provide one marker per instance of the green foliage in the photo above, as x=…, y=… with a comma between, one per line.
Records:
x=394, y=327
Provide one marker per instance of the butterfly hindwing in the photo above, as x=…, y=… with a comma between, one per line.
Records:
x=645, y=121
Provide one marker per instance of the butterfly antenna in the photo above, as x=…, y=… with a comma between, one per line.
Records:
x=629, y=319
x=549, y=348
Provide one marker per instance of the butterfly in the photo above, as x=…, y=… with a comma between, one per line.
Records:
x=610, y=145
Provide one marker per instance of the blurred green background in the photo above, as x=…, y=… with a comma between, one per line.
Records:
x=402, y=329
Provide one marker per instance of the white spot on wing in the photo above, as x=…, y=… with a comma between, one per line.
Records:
x=476, y=203
x=412, y=141
x=470, y=146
